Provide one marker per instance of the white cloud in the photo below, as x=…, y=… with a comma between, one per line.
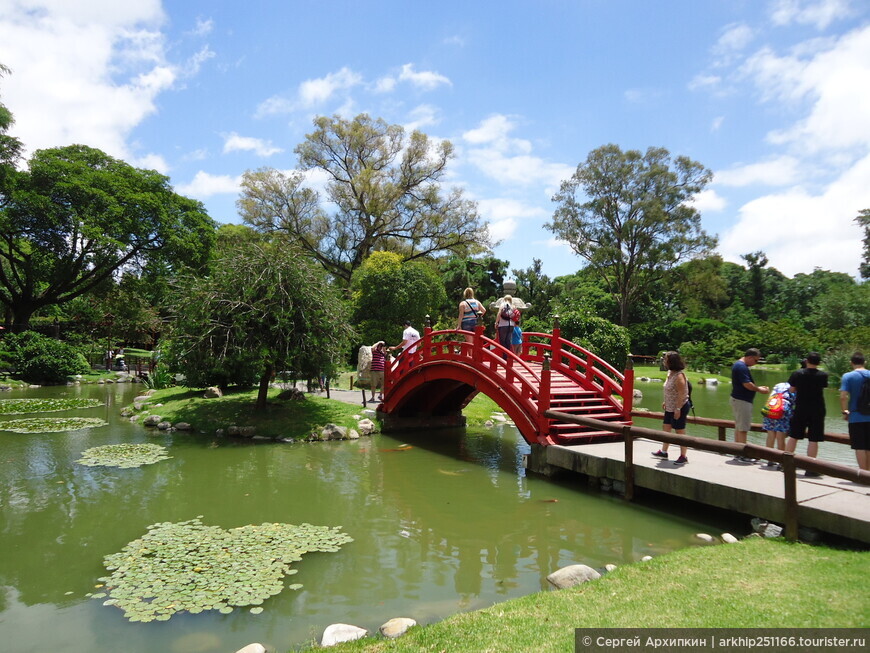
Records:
x=708, y=200
x=704, y=81
x=205, y=185
x=717, y=123
x=385, y=85
x=504, y=229
x=781, y=171
x=734, y=38
x=554, y=243
x=273, y=106
x=235, y=143
x=509, y=160
x=83, y=72
x=151, y=162
x=800, y=231
x=819, y=13
x=424, y=115
x=317, y=91
x=425, y=79
x=504, y=215
x=203, y=27
x=836, y=83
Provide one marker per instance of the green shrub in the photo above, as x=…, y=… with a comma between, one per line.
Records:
x=602, y=337
x=40, y=359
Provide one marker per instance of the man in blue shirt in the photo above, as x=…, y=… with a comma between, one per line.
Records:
x=743, y=391
x=859, y=423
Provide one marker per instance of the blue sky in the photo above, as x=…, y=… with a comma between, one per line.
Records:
x=773, y=96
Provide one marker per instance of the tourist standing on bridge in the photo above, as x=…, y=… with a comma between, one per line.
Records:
x=410, y=336
x=808, y=419
x=743, y=391
x=470, y=312
x=859, y=423
x=505, y=323
x=676, y=403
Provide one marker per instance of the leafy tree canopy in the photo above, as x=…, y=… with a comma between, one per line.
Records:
x=863, y=220
x=77, y=216
x=383, y=193
x=264, y=308
x=636, y=221
x=386, y=291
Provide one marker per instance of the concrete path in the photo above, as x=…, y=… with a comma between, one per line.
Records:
x=830, y=504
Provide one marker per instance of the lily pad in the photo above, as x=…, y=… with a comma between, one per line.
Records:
x=51, y=424
x=123, y=455
x=26, y=406
x=190, y=567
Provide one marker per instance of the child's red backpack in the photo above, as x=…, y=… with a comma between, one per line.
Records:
x=775, y=406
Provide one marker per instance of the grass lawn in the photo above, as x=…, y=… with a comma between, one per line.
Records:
x=281, y=419
x=757, y=583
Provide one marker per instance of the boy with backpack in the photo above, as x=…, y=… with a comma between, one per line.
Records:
x=855, y=403
x=777, y=413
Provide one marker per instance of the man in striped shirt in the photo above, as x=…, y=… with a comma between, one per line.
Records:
x=379, y=361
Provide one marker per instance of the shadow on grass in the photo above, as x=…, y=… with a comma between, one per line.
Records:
x=291, y=418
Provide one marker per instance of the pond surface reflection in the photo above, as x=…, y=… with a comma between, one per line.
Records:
x=446, y=524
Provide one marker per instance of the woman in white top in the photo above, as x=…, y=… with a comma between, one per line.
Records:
x=505, y=324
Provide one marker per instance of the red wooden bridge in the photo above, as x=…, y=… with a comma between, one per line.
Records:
x=431, y=386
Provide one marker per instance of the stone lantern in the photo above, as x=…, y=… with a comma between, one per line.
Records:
x=510, y=288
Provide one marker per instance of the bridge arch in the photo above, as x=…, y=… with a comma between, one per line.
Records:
x=429, y=387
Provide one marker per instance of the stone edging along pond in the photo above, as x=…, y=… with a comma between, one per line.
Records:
x=328, y=432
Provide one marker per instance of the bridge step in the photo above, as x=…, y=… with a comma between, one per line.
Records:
x=586, y=436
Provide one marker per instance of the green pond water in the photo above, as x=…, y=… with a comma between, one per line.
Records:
x=450, y=524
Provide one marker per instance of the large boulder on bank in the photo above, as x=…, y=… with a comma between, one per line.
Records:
x=337, y=633
x=152, y=420
x=333, y=432
x=366, y=426
x=572, y=575
x=212, y=393
x=396, y=627
x=294, y=394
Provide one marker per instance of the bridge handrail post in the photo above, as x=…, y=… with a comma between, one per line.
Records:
x=789, y=478
x=477, y=345
x=544, y=398
x=629, y=462
x=556, y=342
x=427, y=339
x=627, y=389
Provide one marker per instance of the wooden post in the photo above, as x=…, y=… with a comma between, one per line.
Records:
x=629, y=463
x=722, y=434
x=791, y=506
x=544, y=399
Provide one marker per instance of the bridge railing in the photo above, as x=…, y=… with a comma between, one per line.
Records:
x=790, y=462
x=518, y=378
x=582, y=366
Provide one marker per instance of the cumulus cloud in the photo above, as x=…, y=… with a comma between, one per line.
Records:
x=818, y=13
x=205, y=185
x=235, y=143
x=424, y=115
x=836, y=83
x=317, y=91
x=508, y=160
x=781, y=171
x=799, y=230
x=425, y=79
x=85, y=72
x=504, y=215
x=708, y=201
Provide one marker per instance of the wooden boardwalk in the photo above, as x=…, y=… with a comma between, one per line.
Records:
x=828, y=504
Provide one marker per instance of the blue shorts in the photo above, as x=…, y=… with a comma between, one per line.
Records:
x=469, y=323
x=678, y=422
x=517, y=336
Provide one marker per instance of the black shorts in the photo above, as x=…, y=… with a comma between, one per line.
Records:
x=811, y=425
x=859, y=435
x=678, y=422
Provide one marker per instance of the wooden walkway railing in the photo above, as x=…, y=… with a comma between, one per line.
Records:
x=790, y=462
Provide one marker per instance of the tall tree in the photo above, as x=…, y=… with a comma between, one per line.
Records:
x=534, y=287
x=10, y=147
x=636, y=221
x=383, y=193
x=263, y=308
x=77, y=216
x=863, y=220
